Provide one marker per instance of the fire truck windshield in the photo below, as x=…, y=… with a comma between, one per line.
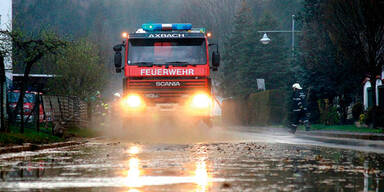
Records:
x=13, y=97
x=167, y=51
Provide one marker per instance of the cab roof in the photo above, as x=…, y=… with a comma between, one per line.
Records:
x=166, y=35
x=167, y=31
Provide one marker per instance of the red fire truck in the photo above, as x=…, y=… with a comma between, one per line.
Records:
x=33, y=95
x=28, y=105
x=167, y=71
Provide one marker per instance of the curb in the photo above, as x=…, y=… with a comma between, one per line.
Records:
x=34, y=147
x=344, y=141
x=362, y=136
x=336, y=135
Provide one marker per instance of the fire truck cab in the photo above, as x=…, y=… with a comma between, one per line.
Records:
x=28, y=105
x=167, y=71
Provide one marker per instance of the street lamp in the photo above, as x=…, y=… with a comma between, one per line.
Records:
x=265, y=40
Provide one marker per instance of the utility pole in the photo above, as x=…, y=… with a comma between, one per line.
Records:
x=2, y=82
x=293, y=36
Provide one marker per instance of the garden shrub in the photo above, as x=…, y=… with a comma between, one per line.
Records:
x=261, y=108
x=379, y=116
x=357, y=110
x=328, y=113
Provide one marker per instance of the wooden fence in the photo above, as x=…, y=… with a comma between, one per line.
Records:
x=70, y=111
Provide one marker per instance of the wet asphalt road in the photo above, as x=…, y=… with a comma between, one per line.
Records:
x=229, y=161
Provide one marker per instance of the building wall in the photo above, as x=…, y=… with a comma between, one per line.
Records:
x=367, y=85
x=6, y=14
x=365, y=94
x=6, y=24
x=378, y=83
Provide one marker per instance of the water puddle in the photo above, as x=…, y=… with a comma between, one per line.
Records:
x=116, y=166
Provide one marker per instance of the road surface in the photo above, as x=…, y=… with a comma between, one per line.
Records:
x=223, y=160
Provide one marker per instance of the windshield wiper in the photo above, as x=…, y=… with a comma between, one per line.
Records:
x=144, y=64
x=179, y=63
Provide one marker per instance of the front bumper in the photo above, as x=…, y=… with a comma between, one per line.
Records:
x=166, y=109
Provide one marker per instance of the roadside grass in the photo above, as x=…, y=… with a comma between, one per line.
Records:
x=348, y=128
x=30, y=135
x=14, y=137
x=81, y=132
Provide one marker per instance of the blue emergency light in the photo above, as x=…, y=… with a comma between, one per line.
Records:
x=166, y=27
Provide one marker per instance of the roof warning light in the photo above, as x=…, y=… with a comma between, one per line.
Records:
x=166, y=27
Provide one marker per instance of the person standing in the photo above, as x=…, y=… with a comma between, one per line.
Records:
x=299, y=108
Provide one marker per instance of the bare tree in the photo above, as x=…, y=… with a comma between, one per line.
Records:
x=29, y=50
x=81, y=70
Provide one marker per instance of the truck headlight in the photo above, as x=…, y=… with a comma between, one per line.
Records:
x=201, y=101
x=133, y=101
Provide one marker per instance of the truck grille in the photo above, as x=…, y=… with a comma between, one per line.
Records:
x=167, y=90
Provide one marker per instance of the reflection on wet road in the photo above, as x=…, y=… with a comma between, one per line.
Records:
x=239, y=165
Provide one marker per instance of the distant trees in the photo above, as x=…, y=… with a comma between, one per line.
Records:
x=236, y=53
x=272, y=62
x=79, y=69
x=80, y=72
x=246, y=59
x=356, y=27
x=325, y=72
x=342, y=44
x=215, y=15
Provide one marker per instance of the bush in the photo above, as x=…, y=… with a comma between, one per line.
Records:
x=266, y=107
x=261, y=108
x=330, y=116
x=233, y=112
x=379, y=116
x=357, y=110
x=362, y=118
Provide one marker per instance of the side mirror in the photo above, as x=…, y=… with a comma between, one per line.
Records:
x=215, y=60
x=215, y=57
x=118, y=57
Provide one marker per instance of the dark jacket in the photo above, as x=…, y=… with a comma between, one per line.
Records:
x=299, y=101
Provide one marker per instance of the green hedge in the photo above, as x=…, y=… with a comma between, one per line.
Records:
x=233, y=111
x=261, y=108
